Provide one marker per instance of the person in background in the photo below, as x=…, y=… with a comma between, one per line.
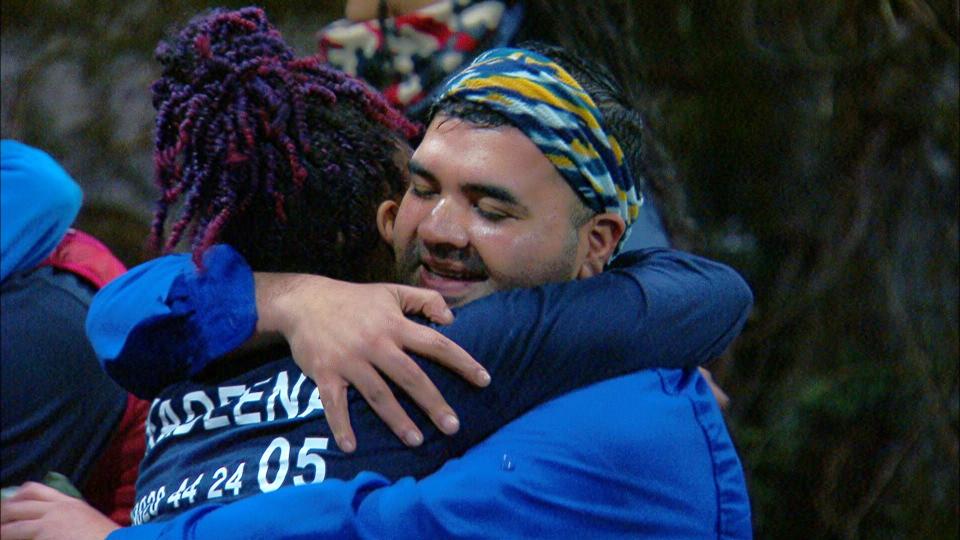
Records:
x=60, y=412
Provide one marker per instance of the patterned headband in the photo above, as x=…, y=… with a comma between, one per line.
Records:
x=542, y=100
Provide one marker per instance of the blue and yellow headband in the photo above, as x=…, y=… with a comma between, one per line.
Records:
x=551, y=108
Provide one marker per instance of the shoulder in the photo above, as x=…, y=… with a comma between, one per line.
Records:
x=635, y=417
x=47, y=289
x=643, y=449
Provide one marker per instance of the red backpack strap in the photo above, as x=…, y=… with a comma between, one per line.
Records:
x=86, y=257
x=111, y=484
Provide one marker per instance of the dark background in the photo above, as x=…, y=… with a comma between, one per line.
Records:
x=816, y=149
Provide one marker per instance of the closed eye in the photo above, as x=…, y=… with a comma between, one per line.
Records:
x=494, y=203
x=422, y=190
x=490, y=212
x=423, y=184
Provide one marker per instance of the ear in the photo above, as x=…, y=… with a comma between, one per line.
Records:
x=602, y=233
x=386, y=218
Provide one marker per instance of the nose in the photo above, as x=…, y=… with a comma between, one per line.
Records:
x=444, y=227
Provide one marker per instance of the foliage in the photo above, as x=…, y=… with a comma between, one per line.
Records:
x=819, y=144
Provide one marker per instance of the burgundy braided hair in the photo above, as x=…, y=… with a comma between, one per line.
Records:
x=284, y=158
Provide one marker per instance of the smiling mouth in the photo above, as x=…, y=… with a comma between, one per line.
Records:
x=451, y=285
x=453, y=275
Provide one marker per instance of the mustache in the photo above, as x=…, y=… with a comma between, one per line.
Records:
x=466, y=259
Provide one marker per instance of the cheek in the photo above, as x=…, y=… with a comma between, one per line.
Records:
x=507, y=250
x=409, y=215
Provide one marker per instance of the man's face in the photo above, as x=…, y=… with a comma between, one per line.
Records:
x=485, y=211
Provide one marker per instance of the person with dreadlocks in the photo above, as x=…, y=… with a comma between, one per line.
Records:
x=233, y=429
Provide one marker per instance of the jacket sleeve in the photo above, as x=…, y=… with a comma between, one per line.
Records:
x=166, y=319
x=39, y=202
x=655, y=308
x=364, y=507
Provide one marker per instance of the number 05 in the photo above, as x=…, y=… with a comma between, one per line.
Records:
x=306, y=458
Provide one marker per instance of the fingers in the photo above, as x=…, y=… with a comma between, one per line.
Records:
x=429, y=343
x=22, y=510
x=430, y=303
x=35, y=491
x=20, y=530
x=722, y=398
x=373, y=388
x=19, y=515
x=38, y=511
x=333, y=395
x=408, y=376
x=351, y=350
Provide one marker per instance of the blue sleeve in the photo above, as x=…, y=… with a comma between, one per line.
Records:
x=165, y=319
x=38, y=202
x=368, y=507
x=656, y=307
x=653, y=308
x=322, y=510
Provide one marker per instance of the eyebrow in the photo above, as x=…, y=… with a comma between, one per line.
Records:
x=416, y=168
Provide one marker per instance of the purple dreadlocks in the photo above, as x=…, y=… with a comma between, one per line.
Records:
x=283, y=158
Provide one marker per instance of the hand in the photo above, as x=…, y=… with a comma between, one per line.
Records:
x=722, y=398
x=38, y=512
x=344, y=334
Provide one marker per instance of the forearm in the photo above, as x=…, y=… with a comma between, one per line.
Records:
x=692, y=307
x=664, y=309
x=660, y=308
